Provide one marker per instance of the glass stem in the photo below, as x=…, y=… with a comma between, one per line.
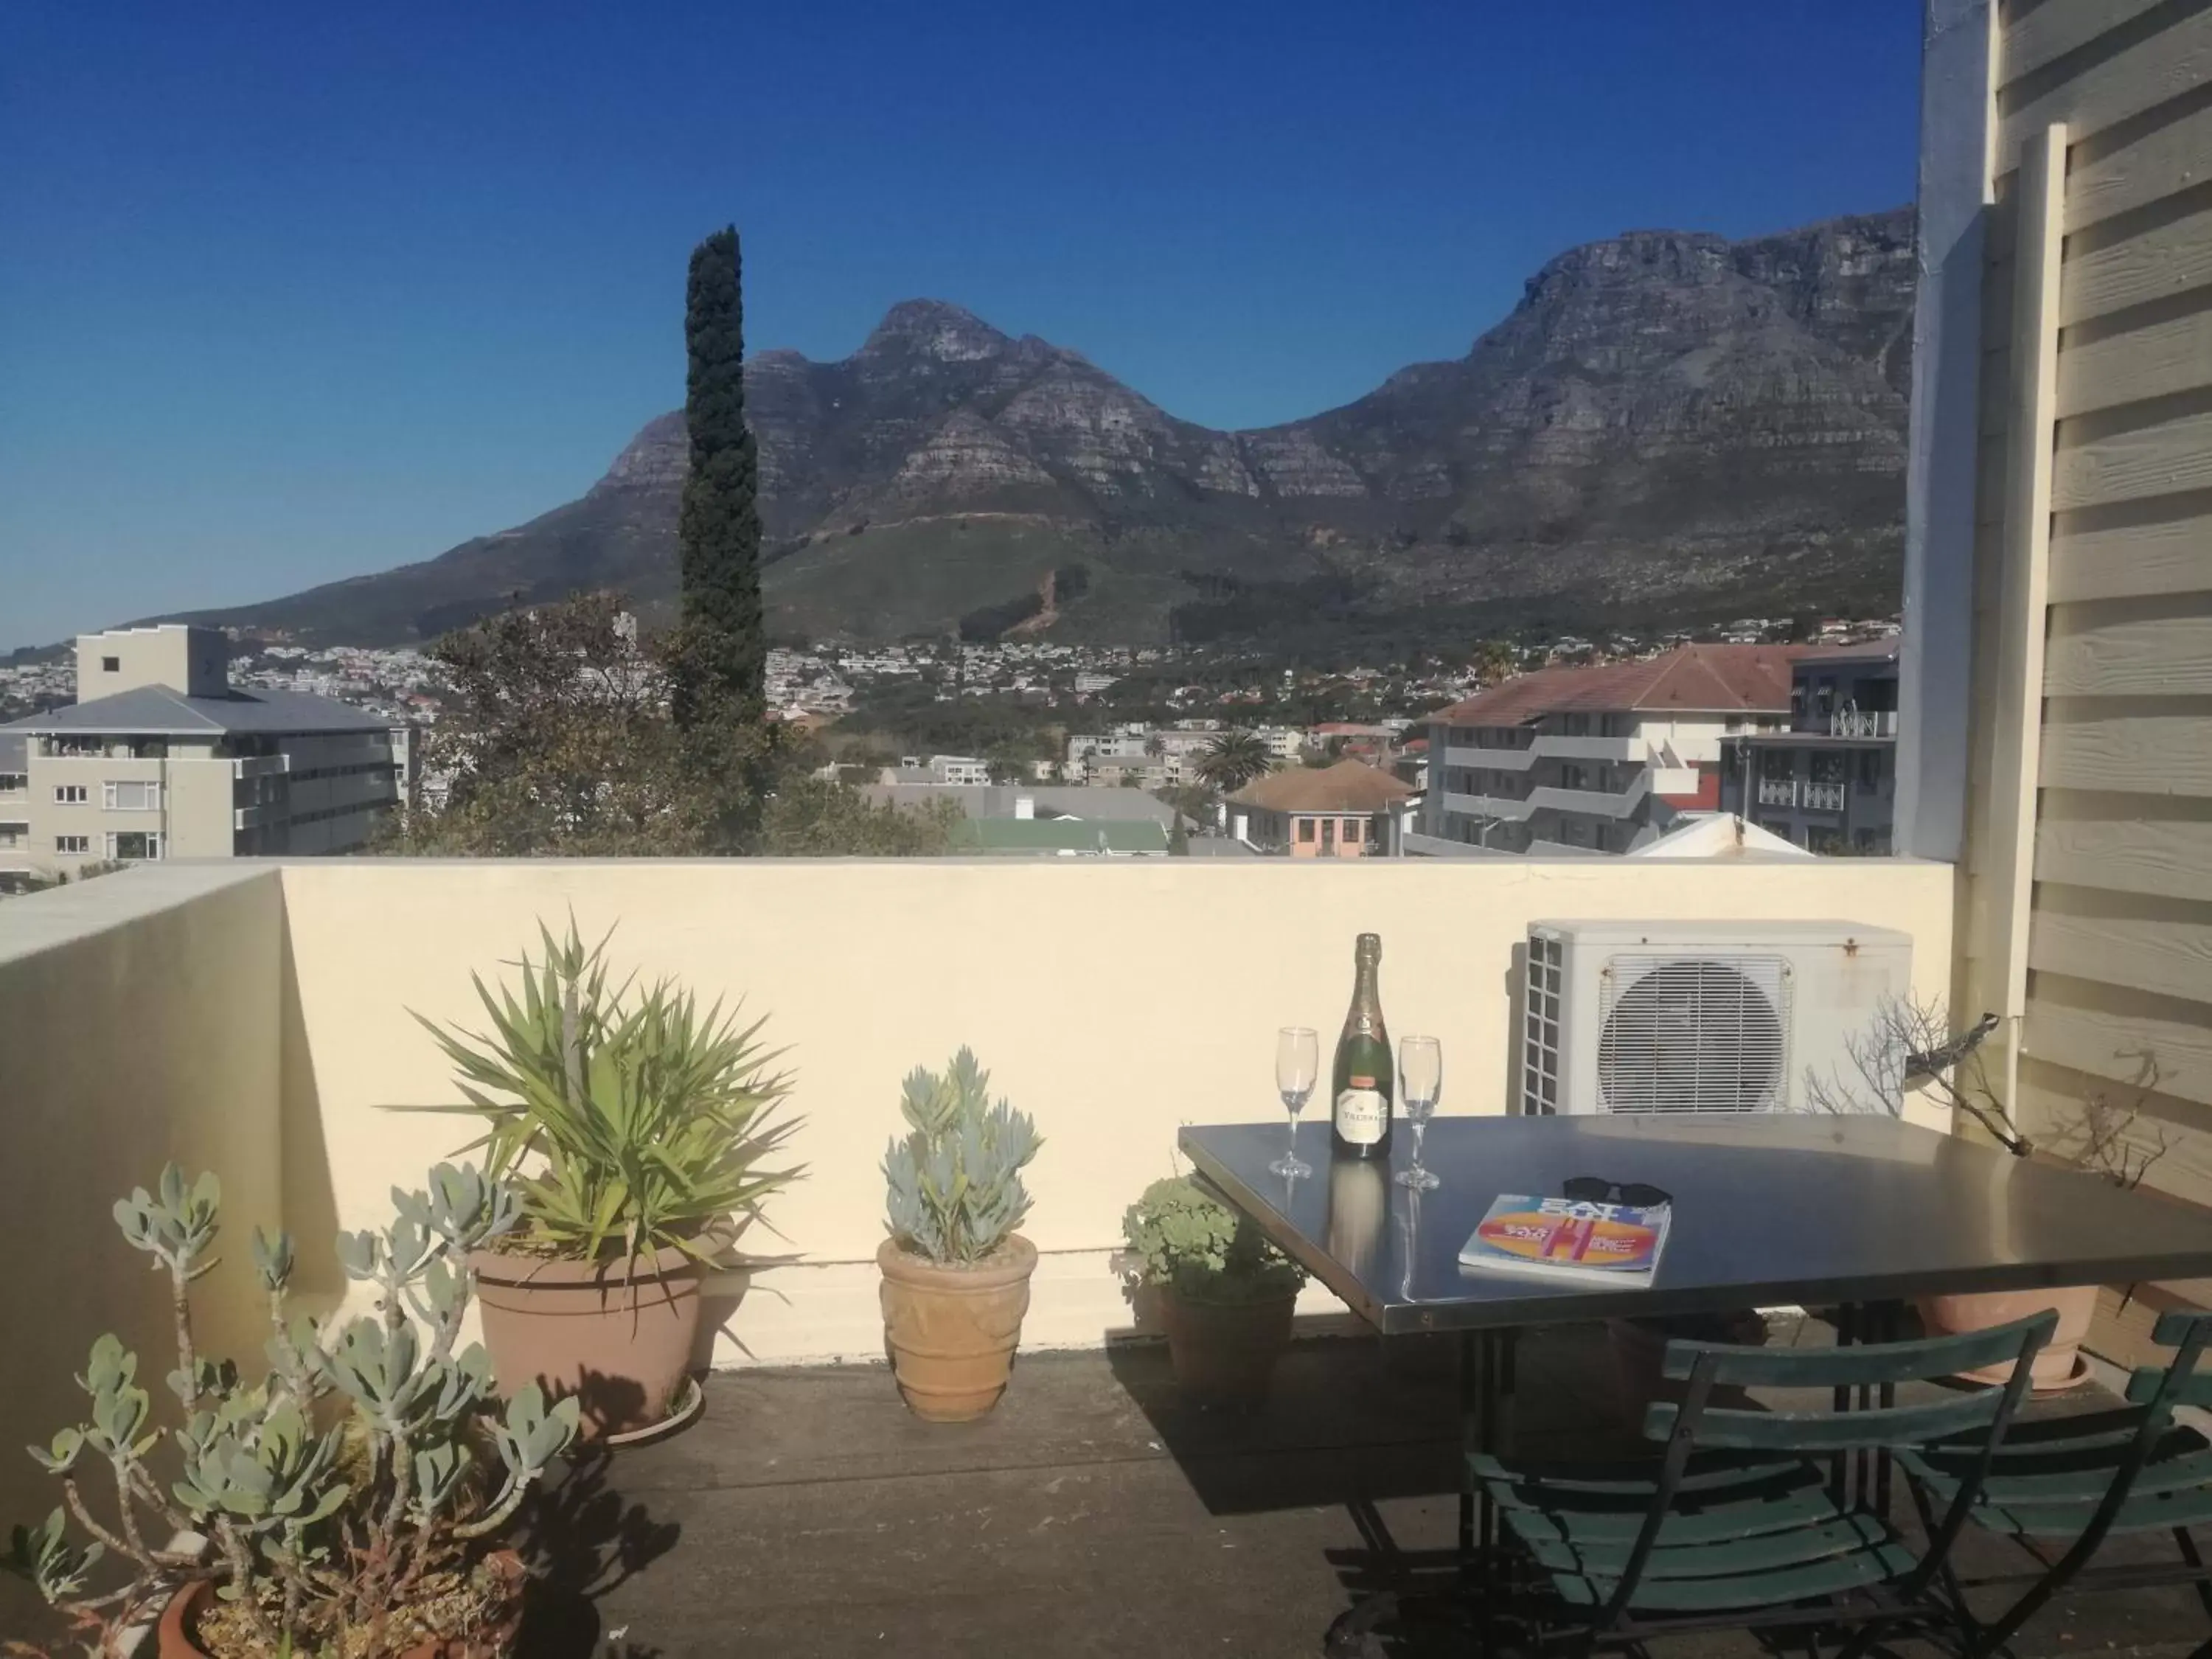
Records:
x=1290, y=1145
x=1420, y=1127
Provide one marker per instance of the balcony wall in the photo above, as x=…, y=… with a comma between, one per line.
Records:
x=253, y=1017
x=140, y=1020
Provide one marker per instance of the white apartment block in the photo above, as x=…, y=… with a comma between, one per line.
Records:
x=161, y=756
x=1595, y=760
x=958, y=768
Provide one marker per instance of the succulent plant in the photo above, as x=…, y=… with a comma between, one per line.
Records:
x=1187, y=1240
x=642, y=1119
x=955, y=1177
x=320, y=1524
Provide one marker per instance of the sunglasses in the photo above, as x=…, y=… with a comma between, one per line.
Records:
x=1596, y=1189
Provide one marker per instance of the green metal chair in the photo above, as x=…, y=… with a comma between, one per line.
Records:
x=1742, y=1523
x=2078, y=1479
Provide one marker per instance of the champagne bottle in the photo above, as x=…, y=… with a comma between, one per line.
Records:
x=1365, y=1079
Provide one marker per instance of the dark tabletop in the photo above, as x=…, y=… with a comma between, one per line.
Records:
x=1768, y=1211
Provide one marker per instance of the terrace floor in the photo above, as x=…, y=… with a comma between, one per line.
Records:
x=808, y=1517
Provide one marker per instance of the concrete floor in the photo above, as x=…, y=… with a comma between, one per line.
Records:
x=808, y=1517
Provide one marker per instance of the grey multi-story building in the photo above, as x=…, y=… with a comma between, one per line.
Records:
x=1829, y=783
x=161, y=756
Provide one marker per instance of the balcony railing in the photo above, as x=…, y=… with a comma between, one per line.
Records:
x=1777, y=792
x=1823, y=797
x=1863, y=723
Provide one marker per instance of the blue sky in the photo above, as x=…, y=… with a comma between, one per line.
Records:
x=292, y=292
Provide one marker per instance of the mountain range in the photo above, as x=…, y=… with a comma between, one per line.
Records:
x=1667, y=426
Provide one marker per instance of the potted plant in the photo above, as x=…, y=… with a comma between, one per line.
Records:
x=1911, y=1045
x=955, y=1273
x=1225, y=1292
x=632, y=1127
x=346, y=1503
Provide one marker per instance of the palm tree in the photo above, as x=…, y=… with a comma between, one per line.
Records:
x=1233, y=759
x=1495, y=660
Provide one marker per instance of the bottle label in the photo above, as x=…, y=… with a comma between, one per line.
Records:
x=1362, y=1114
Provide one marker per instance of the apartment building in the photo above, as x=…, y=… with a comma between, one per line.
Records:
x=161, y=756
x=1828, y=783
x=1595, y=760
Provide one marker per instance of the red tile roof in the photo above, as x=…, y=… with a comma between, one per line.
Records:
x=1727, y=679
x=1349, y=786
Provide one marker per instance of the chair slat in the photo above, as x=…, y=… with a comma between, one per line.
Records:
x=1718, y=1525
x=1760, y=1552
x=1810, y=1431
x=1852, y=1367
x=1879, y=1564
x=2173, y=1328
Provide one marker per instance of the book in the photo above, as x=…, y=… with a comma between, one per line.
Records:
x=1563, y=1239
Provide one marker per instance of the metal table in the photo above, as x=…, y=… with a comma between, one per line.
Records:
x=1866, y=1213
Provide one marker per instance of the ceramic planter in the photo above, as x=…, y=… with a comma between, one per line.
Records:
x=172, y=1637
x=2059, y=1366
x=617, y=1334
x=1225, y=1353
x=952, y=1331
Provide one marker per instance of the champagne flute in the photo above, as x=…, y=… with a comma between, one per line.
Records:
x=1421, y=1081
x=1298, y=1065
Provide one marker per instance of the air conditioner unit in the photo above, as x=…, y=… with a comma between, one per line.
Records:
x=1696, y=1017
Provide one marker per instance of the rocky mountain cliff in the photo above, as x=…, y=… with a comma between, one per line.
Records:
x=1667, y=422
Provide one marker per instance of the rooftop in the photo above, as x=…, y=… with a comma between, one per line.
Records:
x=156, y=711
x=1349, y=785
x=1695, y=678
x=1103, y=1515
x=1053, y=836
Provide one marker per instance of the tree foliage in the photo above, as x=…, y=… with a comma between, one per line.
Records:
x=1233, y=759
x=717, y=529
x=559, y=741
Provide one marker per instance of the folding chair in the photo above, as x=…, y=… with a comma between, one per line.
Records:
x=2082, y=1479
x=1739, y=1525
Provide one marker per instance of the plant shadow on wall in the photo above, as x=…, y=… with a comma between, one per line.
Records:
x=636, y=1128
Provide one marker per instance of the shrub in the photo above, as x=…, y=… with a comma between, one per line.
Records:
x=1189, y=1241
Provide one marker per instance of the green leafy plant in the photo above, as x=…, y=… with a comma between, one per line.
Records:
x=955, y=1177
x=348, y=1490
x=628, y=1120
x=1186, y=1240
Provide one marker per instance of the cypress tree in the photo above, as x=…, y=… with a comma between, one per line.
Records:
x=718, y=531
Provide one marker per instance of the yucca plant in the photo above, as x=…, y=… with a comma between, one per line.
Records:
x=955, y=1177
x=345, y=1498
x=628, y=1121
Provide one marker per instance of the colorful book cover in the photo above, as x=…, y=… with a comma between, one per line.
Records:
x=1562, y=1239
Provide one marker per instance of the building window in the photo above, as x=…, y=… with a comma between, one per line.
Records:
x=72, y=843
x=1351, y=830
x=1869, y=769
x=14, y=835
x=1306, y=830
x=132, y=797
x=69, y=794
x=1830, y=767
x=111, y=665
x=130, y=844
x=14, y=783
x=1329, y=834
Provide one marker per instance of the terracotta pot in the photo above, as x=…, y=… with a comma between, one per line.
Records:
x=2058, y=1367
x=173, y=1638
x=616, y=1335
x=952, y=1331
x=1225, y=1353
